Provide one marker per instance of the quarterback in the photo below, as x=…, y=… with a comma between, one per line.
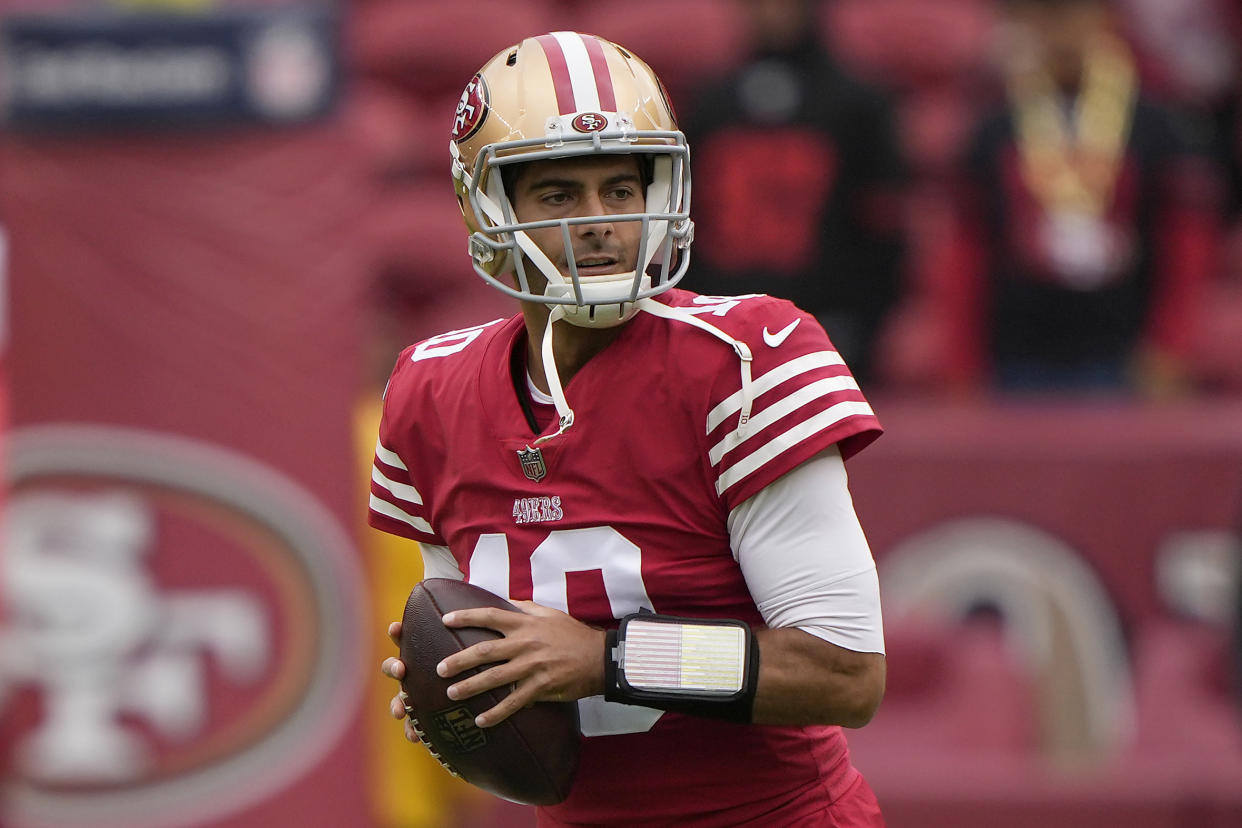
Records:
x=656, y=477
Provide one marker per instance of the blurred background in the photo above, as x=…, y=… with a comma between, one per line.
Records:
x=1020, y=220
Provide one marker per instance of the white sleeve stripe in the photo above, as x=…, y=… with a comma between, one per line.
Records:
x=788, y=439
x=401, y=491
x=769, y=415
x=807, y=362
x=389, y=457
x=386, y=509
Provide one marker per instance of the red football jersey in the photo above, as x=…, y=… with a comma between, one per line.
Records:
x=627, y=509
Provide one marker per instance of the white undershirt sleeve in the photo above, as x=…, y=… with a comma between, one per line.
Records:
x=805, y=558
x=438, y=562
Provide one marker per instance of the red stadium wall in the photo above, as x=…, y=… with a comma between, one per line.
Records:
x=1060, y=583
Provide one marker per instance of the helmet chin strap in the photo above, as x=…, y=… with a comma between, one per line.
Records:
x=565, y=414
x=597, y=314
x=746, y=396
x=580, y=315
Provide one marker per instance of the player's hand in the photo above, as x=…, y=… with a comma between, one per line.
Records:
x=394, y=668
x=545, y=655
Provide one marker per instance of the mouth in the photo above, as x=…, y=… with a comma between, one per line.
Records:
x=598, y=265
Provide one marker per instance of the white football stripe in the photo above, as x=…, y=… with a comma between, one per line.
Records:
x=581, y=75
x=788, y=439
x=389, y=457
x=385, y=508
x=773, y=412
x=766, y=382
x=401, y=491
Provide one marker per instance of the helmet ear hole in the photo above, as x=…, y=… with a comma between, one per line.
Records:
x=512, y=59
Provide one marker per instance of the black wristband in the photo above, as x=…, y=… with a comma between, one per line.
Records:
x=610, y=666
x=729, y=695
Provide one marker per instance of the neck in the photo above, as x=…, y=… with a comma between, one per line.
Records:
x=1067, y=75
x=572, y=346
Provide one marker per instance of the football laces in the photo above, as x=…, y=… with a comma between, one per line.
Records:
x=422, y=737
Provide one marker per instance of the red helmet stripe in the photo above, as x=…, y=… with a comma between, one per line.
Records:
x=560, y=73
x=603, y=78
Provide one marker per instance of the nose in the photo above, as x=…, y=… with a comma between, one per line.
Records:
x=593, y=205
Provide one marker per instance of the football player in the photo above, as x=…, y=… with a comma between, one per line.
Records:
x=656, y=477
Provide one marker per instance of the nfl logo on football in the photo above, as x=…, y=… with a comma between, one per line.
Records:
x=532, y=463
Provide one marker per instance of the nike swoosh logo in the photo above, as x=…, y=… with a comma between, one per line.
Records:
x=775, y=339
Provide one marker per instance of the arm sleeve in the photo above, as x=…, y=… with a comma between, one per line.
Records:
x=805, y=558
x=438, y=562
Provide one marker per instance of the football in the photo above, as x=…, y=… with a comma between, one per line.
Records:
x=531, y=757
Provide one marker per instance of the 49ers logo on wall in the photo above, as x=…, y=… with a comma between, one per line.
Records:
x=185, y=630
x=589, y=122
x=471, y=109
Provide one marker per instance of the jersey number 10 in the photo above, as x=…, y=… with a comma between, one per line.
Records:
x=599, y=548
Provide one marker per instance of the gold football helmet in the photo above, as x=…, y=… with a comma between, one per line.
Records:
x=562, y=95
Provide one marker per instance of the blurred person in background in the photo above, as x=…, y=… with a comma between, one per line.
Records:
x=802, y=182
x=1089, y=220
x=1187, y=50
x=1190, y=55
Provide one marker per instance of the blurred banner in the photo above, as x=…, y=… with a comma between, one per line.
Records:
x=187, y=640
x=274, y=64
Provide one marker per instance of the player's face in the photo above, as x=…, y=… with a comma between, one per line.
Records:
x=606, y=185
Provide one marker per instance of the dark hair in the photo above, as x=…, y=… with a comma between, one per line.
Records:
x=509, y=173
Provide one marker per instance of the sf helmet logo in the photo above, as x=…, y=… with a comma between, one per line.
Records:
x=471, y=109
x=589, y=122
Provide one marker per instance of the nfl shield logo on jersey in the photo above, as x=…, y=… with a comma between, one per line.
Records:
x=532, y=463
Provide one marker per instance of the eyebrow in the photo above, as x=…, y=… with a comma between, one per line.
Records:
x=570, y=184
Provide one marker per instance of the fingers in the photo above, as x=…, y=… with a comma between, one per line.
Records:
x=478, y=655
x=485, y=652
x=394, y=632
x=396, y=707
x=520, y=697
x=542, y=655
x=501, y=675
x=503, y=621
x=524, y=689
x=393, y=667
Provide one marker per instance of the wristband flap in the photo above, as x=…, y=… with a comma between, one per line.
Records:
x=701, y=658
